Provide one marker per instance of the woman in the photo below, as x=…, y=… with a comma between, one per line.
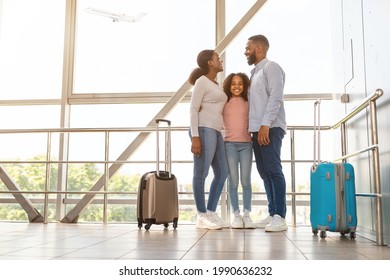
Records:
x=238, y=144
x=207, y=102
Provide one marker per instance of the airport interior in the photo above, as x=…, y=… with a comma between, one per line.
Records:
x=82, y=83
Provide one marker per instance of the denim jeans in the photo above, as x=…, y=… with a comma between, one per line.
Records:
x=239, y=157
x=268, y=163
x=214, y=156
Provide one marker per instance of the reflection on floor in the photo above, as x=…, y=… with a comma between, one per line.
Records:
x=58, y=241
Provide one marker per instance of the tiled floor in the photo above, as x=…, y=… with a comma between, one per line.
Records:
x=58, y=241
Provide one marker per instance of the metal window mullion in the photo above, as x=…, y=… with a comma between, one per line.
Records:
x=67, y=87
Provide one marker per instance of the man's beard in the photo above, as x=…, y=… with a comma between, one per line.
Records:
x=251, y=59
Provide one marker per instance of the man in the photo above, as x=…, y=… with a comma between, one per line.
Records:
x=267, y=123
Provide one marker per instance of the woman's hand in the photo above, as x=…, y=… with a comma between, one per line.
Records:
x=196, y=146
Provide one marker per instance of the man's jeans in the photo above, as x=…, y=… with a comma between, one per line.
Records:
x=268, y=163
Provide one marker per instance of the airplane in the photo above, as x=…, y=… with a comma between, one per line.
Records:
x=116, y=17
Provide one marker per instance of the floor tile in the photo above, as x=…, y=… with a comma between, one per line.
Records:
x=58, y=241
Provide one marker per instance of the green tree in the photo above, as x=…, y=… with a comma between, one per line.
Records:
x=81, y=177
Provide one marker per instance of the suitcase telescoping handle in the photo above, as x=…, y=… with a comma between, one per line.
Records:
x=168, y=165
x=317, y=129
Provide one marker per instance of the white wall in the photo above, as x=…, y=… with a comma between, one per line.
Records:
x=361, y=47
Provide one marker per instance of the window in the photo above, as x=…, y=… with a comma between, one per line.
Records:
x=154, y=54
x=31, y=49
x=300, y=41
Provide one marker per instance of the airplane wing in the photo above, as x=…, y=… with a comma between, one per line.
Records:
x=132, y=18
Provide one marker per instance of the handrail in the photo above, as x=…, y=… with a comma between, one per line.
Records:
x=48, y=161
x=365, y=102
x=358, y=152
x=374, y=148
x=75, y=130
x=123, y=129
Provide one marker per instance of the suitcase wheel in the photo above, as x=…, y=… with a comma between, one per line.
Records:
x=166, y=225
x=352, y=235
x=147, y=226
x=175, y=224
x=323, y=234
x=315, y=231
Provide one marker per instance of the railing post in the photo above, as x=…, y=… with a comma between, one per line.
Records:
x=293, y=197
x=47, y=179
x=375, y=156
x=106, y=175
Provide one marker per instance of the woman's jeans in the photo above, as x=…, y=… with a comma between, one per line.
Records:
x=269, y=165
x=213, y=154
x=239, y=157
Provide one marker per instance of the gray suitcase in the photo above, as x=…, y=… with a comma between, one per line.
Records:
x=157, y=201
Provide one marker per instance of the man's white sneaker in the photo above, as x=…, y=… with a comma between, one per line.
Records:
x=237, y=222
x=277, y=224
x=264, y=222
x=207, y=221
x=219, y=220
x=248, y=223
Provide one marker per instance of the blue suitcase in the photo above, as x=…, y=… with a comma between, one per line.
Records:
x=332, y=192
x=333, y=199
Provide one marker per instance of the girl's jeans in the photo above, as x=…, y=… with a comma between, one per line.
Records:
x=239, y=157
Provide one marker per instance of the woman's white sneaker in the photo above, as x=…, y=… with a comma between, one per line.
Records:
x=207, y=221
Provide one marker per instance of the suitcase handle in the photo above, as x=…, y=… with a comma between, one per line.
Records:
x=163, y=120
x=317, y=129
x=168, y=151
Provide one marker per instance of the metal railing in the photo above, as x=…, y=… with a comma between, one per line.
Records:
x=106, y=162
x=369, y=101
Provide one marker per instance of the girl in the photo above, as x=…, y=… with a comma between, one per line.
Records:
x=238, y=144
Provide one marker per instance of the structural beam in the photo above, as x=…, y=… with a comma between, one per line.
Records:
x=32, y=213
x=74, y=213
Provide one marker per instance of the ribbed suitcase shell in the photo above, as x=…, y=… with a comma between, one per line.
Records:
x=333, y=199
x=157, y=201
x=332, y=191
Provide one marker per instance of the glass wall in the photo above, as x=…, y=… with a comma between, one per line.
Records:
x=299, y=33
x=31, y=49
x=144, y=47
x=153, y=54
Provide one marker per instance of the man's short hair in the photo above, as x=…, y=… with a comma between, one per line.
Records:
x=260, y=39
